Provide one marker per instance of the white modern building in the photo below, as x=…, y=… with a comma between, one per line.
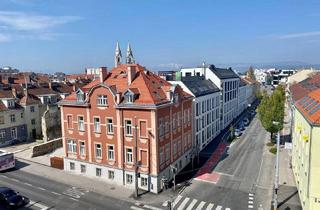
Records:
x=228, y=82
x=242, y=99
x=206, y=108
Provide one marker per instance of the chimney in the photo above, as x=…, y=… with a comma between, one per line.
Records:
x=169, y=95
x=50, y=85
x=14, y=92
x=103, y=72
x=118, y=98
x=131, y=72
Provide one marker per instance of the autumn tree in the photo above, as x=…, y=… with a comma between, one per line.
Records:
x=250, y=73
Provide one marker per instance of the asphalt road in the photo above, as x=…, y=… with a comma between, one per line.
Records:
x=242, y=171
x=48, y=194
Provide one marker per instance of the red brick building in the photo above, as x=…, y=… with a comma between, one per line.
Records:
x=129, y=119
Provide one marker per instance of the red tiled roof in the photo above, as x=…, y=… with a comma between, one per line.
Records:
x=151, y=88
x=29, y=99
x=309, y=106
x=6, y=94
x=304, y=87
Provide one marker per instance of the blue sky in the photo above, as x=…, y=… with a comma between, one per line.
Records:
x=69, y=35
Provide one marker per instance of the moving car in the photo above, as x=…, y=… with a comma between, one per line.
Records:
x=12, y=199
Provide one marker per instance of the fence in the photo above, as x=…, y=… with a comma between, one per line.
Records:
x=56, y=162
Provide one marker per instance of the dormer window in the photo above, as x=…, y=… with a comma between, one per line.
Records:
x=80, y=95
x=130, y=98
x=102, y=100
x=10, y=103
x=176, y=98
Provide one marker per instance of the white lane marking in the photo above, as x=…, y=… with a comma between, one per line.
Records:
x=40, y=188
x=73, y=199
x=250, y=202
x=151, y=207
x=3, y=176
x=26, y=183
x=219, y=208
x=184, y=202
x=135, y=208
x=37, y=204
x=210, y=206
x=194, y=201
x=55, y=193
x=250, y=194
x=228, y=209
x=200, y=205
x=176, y=200
x=250, y=206
x=165, y=204
x=251, y=198
x=16, y=180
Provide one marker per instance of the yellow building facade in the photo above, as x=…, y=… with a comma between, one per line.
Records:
x=306, y=160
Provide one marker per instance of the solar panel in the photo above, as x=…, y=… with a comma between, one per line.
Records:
x=303, y=100
x=315, y=109
x=307, y=103
x=312, y=105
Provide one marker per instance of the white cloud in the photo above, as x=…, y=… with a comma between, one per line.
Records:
x=297, y=35
x=27, y=22
x=19, y=25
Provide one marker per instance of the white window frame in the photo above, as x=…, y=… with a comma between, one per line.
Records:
x=110, y=152
x=72, y=146
x=14, y=133
x=97, y=125
x=98, y=151
x=110, y=174
x=129, y=178
x=12, y=118
x=128, y=127
x=98, y=172
x=2, y=134
x=82, y=148
x=130, y=98
x=81, y=123
x=82, y=166
x=32, y=108
x=109, y=126
x=102, y=100
x=129, y=155
x=144, y=181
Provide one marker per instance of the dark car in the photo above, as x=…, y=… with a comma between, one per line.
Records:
x=12, y=199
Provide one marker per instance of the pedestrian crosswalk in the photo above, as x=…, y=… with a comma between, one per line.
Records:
x=187, y=203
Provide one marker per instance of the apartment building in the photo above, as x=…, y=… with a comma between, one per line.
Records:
x=206, y=108
x=228, y=82
x=305, y=150
x=127, y=126
x=242, y=99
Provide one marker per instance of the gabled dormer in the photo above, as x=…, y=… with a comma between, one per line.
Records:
x=80, y=96
x=130, y=95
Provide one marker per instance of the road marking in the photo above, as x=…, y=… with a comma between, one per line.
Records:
x=228, y=209
x=194, y=201
x=73, y=199
x=26, y=183
x=219, y=208
x=37, y=204
x=3, y=176
x=250, y=206
x=200, y=205
x=210, y=206
x=55, y=193
x=250, y=194
x=151, y=207
x=176, y=200
x=184, y=202
x=250, y=202
x=40, y=188
x=16, y=180
x=135, y=208
x=250, y=198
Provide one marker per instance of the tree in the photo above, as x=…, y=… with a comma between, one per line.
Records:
x=250, y=73
x=271, y=109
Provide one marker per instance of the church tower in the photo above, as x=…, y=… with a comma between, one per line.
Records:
x=129, y=57
x=118, y=55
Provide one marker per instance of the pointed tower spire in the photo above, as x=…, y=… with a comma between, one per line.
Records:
x=129, y=57
x=118, y=55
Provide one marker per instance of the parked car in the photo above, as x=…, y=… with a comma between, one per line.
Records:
x=246, y=121
x=241, y=126
x=12, y=199
x=237, y=132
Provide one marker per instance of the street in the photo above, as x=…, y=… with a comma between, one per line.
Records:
x=246, y=174
x=49, y=194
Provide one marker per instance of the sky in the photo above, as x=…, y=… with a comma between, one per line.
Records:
x=69, y=35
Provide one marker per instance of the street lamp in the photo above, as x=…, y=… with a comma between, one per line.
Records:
x=276, y=180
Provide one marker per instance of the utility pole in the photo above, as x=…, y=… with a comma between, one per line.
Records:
x=276, y=180
x=136, y=157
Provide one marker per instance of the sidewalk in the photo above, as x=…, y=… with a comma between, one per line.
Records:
x=288, y=192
